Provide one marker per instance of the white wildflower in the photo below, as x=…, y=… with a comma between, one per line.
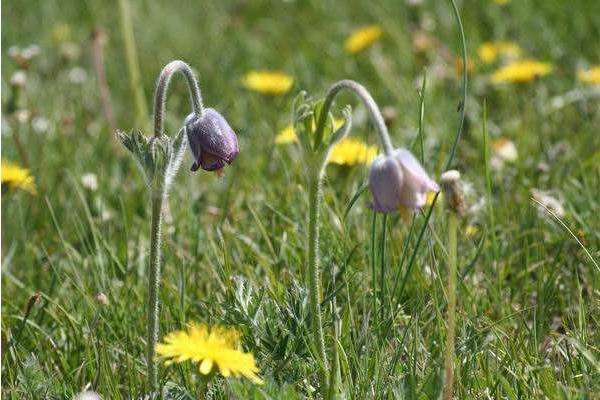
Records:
x=89, y=181
x=77, y=75
x=22, y=116
x=30, y=51
x=19, y=79
x=40, y=124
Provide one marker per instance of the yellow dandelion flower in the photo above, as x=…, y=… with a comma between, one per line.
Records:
x=268, y=82
x=502, y=2
x=288, y=134
x=209, y=347
x=521, y=72
x=350, y=151
x=490, y=51
x=18, y=177
x=431, y=196
x=471, y=230
x=590, y=76
x=363, y=38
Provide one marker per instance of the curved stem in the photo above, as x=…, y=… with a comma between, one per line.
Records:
x=314, y=275
x=162, y=85
x=367, y=99
x=153, y=287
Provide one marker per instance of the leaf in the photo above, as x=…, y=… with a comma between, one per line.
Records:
x=318, y=134
x=363, y=188
x=179, y=142
x=177, y=151
x=125, y=139
x=343, y=130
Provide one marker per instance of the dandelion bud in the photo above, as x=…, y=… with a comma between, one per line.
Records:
x=453, y=192
x=212, y=141
x=399, y=180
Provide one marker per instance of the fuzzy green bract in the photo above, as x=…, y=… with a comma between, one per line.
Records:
x=305, y=116
x=159, y=158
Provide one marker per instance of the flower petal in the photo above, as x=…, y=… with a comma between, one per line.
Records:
x=385, y=181
x=417, y=174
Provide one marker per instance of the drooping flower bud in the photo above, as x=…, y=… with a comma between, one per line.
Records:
x=399, y=180
x=212, y=141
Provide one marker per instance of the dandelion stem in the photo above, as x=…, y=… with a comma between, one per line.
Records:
x=367, y=99
x=153, y=287
x=162, y=85
x=314, y=274
x=451, y=317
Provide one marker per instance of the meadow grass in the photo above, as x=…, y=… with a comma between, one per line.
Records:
x=235, y=248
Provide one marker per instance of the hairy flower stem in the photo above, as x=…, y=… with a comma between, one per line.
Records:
x=159, y=194
x=451, y=317
x=161, y=92
x=316, y=173
x=153, y=287
x=314, y=273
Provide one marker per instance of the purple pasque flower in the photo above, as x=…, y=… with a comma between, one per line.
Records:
x=212, y=141
x=398, y=180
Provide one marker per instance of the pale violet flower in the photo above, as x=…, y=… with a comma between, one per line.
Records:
x=398, y=180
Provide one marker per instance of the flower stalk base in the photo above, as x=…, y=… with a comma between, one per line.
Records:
x=153, y=288
x=314, y=274
x=451, y=317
